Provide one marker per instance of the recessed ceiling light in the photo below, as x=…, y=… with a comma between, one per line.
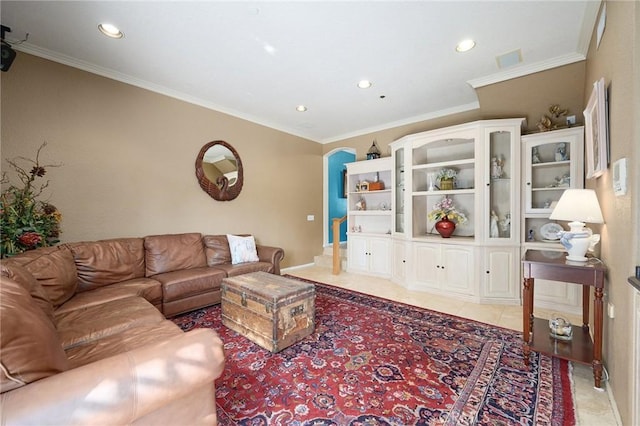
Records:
x=301, y=108
x=465, y=45
x=110, y=30
x=364, y=84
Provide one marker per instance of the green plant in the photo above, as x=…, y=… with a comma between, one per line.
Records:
x=446, y=208
x=26, y=222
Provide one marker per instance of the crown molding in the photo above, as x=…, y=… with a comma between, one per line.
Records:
x=523, y=70
x=591, y=13
x=415, y=119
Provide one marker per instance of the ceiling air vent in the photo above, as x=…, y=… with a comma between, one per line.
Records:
x=509, y=59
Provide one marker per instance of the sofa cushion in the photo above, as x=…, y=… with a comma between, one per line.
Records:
x=91, y=323
x=245, y=268
x=28, y=281
x=124, y=341
x=31, y=349
x=217, y=249
x=54, y=269
x=109, y=261
x=243, y=249
x=181, y=284
x=148, y=288
x=167, y=253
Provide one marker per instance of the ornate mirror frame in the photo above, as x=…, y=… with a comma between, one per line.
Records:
x=220, y=189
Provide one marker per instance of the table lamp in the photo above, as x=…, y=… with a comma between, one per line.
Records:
x=578, y=206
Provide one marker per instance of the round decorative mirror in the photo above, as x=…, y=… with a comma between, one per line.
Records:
x=219, y=171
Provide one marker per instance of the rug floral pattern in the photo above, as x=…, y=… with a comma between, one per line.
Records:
x=372, y=361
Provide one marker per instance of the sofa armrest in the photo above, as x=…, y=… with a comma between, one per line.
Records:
x=120, y=389
x=273, y=255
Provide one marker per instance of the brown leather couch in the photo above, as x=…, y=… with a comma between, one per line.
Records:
x=84, y=339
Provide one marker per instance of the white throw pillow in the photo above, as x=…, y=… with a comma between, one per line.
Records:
x=243, y=249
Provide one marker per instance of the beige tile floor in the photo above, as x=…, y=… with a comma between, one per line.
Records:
x=593, y=406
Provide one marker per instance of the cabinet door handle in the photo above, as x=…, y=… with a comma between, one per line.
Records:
x=487, y=272
x=528, y=183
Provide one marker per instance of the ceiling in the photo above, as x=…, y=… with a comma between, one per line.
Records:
x=259, y=60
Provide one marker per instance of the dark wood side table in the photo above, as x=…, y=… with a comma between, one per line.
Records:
x=553, y=266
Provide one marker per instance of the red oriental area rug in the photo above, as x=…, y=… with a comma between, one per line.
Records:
x=373, y=361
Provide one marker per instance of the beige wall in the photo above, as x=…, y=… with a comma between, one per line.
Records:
x=128, y=159
x=614, y=60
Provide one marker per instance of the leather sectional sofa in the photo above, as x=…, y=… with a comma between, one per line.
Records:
x=85, y=339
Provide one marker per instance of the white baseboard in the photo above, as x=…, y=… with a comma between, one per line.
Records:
x=293, y=268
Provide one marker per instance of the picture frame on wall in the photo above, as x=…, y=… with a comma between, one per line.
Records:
x=596, y=131
x=344, y=184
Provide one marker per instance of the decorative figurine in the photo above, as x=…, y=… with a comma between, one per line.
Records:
x=561, y=152
x=374, y=151
x=493, y=231
x=496, y=167
x=565, y=181
x=535, y=158
x=361, y=204
x=545, y=124
x=557, y=112
x=506, y=224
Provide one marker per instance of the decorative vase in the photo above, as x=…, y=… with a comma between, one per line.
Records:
x=446, y=184
x=445, y=227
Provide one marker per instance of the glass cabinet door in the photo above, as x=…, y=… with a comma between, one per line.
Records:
x=502, y=178
x=548, y=174
x=399, y=199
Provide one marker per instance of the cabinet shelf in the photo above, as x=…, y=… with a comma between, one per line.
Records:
x=449, y=192
x=370, y=212
x=379, y=191
x=444, y=164
x=552, y=164
x=436, y=238
x=369, y=234
x=555, y=188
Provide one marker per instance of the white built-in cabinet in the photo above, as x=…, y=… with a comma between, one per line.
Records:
x=465, y=265
x=506, y=185
x=369, y=211
x=445, y=268
x=399, y=261
x=369, y=254
x=551, y=163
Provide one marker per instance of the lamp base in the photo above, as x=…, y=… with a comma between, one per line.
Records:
x=577, y=258
x=577, y=243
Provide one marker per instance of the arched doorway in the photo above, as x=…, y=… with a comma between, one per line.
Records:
x=334, y=205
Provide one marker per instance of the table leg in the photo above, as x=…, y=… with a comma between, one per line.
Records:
x=527, y=317
x=597, y=336
x=585, y=306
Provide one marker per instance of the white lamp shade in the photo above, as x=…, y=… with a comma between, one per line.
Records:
x=578, y=205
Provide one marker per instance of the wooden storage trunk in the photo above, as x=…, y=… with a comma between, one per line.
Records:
x=273, y=311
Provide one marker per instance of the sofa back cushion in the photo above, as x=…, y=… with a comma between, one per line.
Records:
x=107, y=262
x=54, y=269
x=29, y=283
x=217, y=250
x=167, y=253
x=31, y=349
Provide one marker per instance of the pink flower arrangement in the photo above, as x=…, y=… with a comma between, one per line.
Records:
x=445, y=207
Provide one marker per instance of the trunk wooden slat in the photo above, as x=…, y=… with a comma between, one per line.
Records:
x=273, y=311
